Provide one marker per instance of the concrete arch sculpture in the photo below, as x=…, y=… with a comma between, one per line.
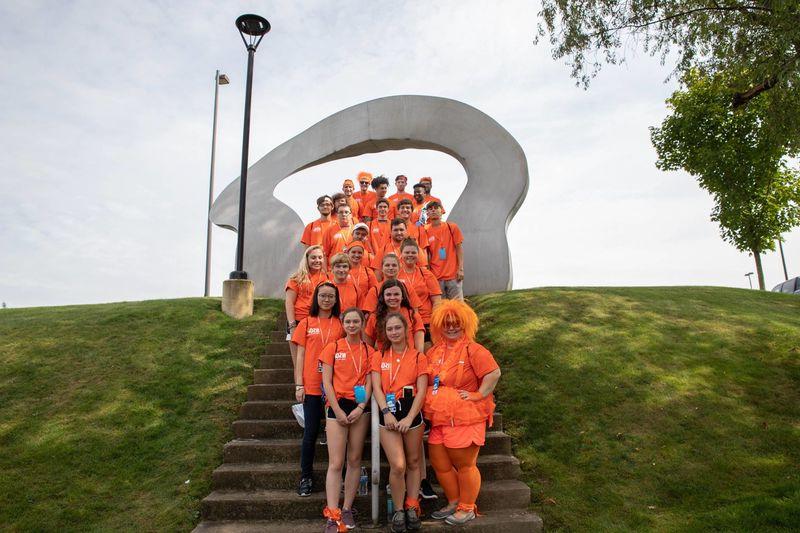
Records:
x=497, y=182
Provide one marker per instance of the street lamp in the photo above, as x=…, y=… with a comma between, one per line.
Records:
x=252, y=29
x=219, y=79
x=783, y=260
x=749, y=277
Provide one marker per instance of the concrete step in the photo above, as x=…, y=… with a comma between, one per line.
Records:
x=276, y=361
x=250, y=476
x=261, y=391
x=278, y=336
x=276, y=376
x=278, y=348
x=286, y=504
x=490, y=522
x=268, y=410
x=288, y=450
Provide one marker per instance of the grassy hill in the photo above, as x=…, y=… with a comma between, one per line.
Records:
x=634, y=408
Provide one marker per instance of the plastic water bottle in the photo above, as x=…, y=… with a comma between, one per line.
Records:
x=389, y=504
x=363, y=484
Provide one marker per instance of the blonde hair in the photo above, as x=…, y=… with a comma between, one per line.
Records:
x=341, y=258
x=457, y=311
x=302, y=274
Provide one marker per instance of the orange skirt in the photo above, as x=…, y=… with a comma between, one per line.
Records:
x=447, y=408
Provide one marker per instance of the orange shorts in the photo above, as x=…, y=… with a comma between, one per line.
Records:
x=458, y=436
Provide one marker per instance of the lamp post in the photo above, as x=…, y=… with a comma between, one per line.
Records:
x=749, y=277
x=219, y=79
x=783, y=261
x=254, y=27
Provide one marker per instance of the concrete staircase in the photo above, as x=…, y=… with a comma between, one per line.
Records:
x=254, y=488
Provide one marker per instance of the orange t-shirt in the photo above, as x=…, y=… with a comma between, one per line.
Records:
x=380, y=231
x=399, y=370
x=351, y=366
x=391, y=247
x=442, y=240
x=444, y=362
x=336, y=239
x=314, y=334
x=419, y=234
x=424, y=284
x=314, y=232
x=370, y=302
x=305, y=291
x=364, y=280
x=355, y=208
x=414, y=324
x=396, y=197
x=348, y=293
x=363, y=198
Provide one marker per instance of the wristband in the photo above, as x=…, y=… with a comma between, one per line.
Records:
x=298, y=387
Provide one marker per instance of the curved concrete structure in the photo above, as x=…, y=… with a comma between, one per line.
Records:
x=497, y=182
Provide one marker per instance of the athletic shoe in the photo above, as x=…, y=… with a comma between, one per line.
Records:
x=413, y=522
x=348, y=519
x=399, y=522
x=453, y=521
x=331, y=526
x=426, y=491
x=442, y=513
x=305, y=487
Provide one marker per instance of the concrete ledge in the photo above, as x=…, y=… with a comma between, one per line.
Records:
x=237, y=298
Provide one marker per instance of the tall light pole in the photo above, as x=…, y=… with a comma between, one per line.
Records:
x=254, y=27
x=783, y=260
x=219, y=79
x=749, y=277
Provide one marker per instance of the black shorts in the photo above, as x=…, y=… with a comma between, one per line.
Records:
x=347, y=406
x=403, y=407
x=428, y=333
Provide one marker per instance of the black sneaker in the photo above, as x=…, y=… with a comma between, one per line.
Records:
x=413, y=522
x=305, y=487
x=426, y=491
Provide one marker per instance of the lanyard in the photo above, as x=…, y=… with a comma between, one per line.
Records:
x=413, y=278
x=392, y=379
x=326, y=337
x=361, y=358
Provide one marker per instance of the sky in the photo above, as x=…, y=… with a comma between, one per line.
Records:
x=106, y=132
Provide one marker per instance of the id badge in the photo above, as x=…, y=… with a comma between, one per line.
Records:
x=360, y=392
x=435, y=384
x=442, y=253
x=319, y=367
x=390, y=403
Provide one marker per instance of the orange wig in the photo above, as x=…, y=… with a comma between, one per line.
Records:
x=366, y=175
x=453, y=310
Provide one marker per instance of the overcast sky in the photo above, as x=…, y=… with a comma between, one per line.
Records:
x=106, y=129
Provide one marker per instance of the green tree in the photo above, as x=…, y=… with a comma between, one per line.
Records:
x=754, y=43
x=735, y=157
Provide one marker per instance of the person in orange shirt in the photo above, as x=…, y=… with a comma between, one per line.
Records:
x=390, y=268
x=445, y=254
x=362, y=276
x=394, y=246
x=313, y=333
x=400, y=182
x=400, y=380
x=313, y=232
x=380, y=227
x=418, y=214
x=348, y=291
x=300, y=287
x=419, y=281
x=428, y=183
x=393, y=298
x=346, y=366
x=459, y=403
x=347, y=189
x=364, y=195
x=340, y=199
x=370, y=209
x=361, y=234
x=338, y=234
x=415, y=230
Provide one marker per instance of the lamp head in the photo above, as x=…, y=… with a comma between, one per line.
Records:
x=223, y=79
x=254, y=27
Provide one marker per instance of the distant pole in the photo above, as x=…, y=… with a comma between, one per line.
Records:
x=255, y=27
x=783, y=260
x=749, y=277
x=218, y=80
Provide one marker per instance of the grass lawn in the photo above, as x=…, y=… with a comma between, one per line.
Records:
x=113, y=416
x=659, y=409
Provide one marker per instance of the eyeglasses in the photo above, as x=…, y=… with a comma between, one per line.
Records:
x=326, y=296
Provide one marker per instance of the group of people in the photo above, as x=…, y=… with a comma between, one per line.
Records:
x=375, y=309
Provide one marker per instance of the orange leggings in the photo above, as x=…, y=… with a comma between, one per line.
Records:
x=457, y=472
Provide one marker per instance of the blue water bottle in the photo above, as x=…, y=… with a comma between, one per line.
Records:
x=363, y=484
x=389, y=504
